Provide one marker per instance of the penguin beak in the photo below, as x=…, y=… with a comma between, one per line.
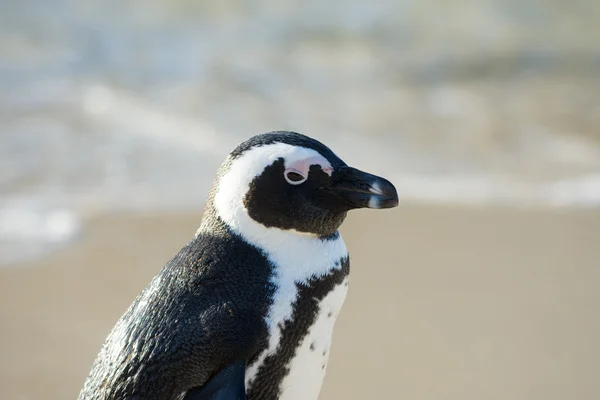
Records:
x=360, y=189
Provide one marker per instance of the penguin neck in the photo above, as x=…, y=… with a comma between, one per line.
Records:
x=297, y=256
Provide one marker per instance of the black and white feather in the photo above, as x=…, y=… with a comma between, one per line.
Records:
x=249, y=305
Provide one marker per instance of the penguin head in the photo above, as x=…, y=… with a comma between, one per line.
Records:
x=291, y=182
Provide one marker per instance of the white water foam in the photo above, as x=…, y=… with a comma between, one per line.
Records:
x=577, y=192
x=108, y=108
x=28, y=231
x=147, y=158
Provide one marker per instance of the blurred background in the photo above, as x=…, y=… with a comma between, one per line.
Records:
x=115, y=115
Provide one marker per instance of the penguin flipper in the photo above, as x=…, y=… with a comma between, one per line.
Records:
x=228, y=384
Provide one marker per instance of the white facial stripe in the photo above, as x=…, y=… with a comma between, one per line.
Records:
x=234, y=184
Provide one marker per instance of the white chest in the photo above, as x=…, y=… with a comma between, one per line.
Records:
x=299, y=265
x=308, y=366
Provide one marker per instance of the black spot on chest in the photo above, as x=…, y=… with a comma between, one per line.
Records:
x=275, y=367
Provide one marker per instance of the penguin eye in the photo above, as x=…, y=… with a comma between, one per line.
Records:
x=294, y=177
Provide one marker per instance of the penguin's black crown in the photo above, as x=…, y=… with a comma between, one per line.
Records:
x=290, y=181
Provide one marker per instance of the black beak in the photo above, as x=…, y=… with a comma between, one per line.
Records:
x=360, y=189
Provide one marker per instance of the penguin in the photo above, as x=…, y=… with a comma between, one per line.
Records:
x=247, y=308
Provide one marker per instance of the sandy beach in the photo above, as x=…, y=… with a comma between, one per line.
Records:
x=114, y=117
x=444, y=303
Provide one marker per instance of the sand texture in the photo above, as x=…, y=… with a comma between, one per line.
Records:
x=444, y=303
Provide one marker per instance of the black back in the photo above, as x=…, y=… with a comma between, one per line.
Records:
x=204, y=310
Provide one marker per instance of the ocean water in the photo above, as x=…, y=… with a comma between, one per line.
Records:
x=131, y=106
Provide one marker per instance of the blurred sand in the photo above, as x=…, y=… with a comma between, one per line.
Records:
x=445, y=303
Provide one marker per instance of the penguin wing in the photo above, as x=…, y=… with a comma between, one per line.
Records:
x=190, y=330
x=227, y=384
x=168, y=344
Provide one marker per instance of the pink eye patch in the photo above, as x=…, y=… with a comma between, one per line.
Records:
x=302, y=167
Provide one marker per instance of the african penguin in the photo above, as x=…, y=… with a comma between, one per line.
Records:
x=246, y=309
